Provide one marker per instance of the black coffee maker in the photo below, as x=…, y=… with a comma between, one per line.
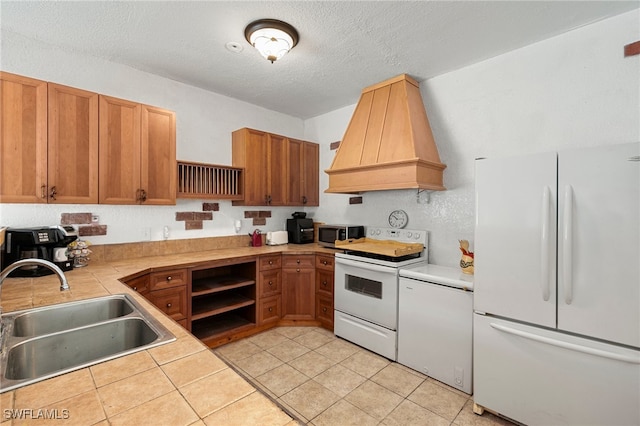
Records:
x=38, y=243
x=300, y=229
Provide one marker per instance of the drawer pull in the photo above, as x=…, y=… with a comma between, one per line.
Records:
x=169, y=278
x=270, y=283
x=271, y=262
x=298, y=261
x=324, y=262
x=168, y=305
x=298, y=270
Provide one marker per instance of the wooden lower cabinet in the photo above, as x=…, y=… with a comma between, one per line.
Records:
x=324, y=289
x=229, y=299
x=298, y=287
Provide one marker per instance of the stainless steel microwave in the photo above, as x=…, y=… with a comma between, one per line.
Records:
x=328, y=234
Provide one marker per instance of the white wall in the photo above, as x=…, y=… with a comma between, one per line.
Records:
x=205, y=121
x=573, y=90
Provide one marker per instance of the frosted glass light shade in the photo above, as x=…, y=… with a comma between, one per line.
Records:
x=271, y=37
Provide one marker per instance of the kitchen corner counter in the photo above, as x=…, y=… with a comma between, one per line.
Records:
x=179, y=383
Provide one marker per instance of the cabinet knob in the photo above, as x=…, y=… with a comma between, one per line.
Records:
x=270, y=283
x=169, y=278
x=298, y=261
x=324, y=262
x=298, y=270
x=43, y=191
x=135, y=288
x=324, y=283
x=304, y=200
x=271, y=262
x=324, y=310
x=270, y=309
x=168, y=305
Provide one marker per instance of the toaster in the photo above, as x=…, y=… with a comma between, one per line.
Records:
x=276, y=238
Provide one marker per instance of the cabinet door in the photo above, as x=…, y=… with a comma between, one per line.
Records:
x=249, y=151
x=276, y=176
x=72, y=145
x=158, y=157
x=298, y=294
x=294, y=171
x=599, y=242
x=311, y=174
x=119, y=151
x=171, y=301
x=23, y=139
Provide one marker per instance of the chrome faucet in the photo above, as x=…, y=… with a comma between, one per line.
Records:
x=64, y=285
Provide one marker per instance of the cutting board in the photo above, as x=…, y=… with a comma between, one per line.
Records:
x=384, y=247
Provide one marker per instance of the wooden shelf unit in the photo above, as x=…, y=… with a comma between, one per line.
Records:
x=223, y=299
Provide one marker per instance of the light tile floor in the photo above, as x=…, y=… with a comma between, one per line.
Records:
x=323, y=380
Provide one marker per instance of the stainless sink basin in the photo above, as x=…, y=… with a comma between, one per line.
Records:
x=79, y=334
x=69, y=315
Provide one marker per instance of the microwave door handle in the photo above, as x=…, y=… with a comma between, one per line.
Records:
x=368, y=266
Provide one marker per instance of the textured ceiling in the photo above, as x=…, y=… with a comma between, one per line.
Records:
x=344, y=45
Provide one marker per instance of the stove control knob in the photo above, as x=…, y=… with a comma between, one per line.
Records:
x=377, y=232
x=409, y=234
x=417, y=236
x=372, y=232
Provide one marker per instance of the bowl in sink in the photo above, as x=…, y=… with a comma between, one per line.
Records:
x=109, y=327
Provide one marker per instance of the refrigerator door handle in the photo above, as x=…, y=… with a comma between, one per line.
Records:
x=567, y=245
x=566, y=345
x=544, y=247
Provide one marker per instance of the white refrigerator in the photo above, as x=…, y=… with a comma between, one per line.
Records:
x=557, y=287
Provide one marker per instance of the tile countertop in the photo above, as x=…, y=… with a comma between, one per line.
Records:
x=179, y=383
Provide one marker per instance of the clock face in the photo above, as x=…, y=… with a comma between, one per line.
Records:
x=398, y=219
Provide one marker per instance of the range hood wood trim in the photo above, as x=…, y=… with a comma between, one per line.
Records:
x=388, y=143
x=406, y=174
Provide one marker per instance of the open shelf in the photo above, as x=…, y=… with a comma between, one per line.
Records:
x=216, y=328
x=224, y=302
x=210, y=285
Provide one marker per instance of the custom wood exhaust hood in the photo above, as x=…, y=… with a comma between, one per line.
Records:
x=388, y=143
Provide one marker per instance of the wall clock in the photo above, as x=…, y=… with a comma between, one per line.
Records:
x=398, y=219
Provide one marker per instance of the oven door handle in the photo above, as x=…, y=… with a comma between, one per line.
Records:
x=366, y=265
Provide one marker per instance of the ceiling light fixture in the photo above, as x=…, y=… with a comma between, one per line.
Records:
x=271, y=37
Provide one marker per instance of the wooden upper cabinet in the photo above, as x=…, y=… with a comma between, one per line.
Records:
x=23, y=139
x=277, y=170
x=158, y=156
x=137, y=153
x=72, y=145
x=303, y=173
x=263, y=156
x=119, y=150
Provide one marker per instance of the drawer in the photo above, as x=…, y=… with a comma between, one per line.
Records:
x=269, y=309
x=171, y=301
x=270, y=283
x=324, y=311
x=324, y=283
x=140, y=284
x=300, y=261
x=169, y=278
x=325, y=262
x=270, y=262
